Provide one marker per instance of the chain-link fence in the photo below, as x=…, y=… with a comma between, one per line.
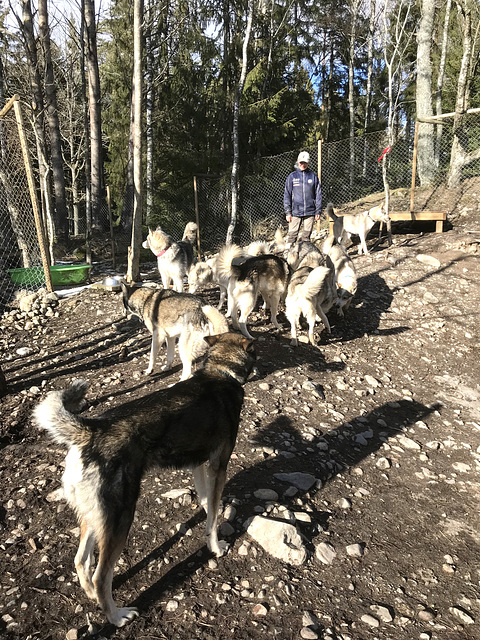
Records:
x=350, y=171
x=20, y=256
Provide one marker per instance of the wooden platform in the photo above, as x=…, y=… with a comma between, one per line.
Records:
x=439, y=216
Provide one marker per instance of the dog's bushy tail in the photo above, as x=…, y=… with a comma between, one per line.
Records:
x=226, y=254
x=216, y=320
x=190, y=233
x=56, y=414
x=328, y=244
x=330, y=212
x=314, y=282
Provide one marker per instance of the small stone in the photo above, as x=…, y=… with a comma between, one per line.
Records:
x=72, y=634
x=309, y=634
x=260, y=610
x=462, y=467
x=264, y=386
x=355, y=550
x=464, y=616
x=430, y=261
x=344, y=503
x=383, y=463
x=266, y=494
x=172, y=605
x=325, y=552
x=426, y=615
x=408, y=443
x=382, y=612
x=370, y=620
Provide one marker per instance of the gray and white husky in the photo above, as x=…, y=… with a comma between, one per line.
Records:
x=174, y=259
x=357, y=224
x=169, y=315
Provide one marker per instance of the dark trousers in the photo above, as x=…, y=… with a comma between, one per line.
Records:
x=294, y=228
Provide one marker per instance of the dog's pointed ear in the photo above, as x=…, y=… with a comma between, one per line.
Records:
x=211, y=340
x=248, y=345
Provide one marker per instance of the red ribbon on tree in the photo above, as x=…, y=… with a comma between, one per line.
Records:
x=387, y=150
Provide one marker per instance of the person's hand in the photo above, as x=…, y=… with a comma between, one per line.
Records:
x=289, y=218
x=317, y=217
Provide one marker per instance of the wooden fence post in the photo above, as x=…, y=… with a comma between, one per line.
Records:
x=33, y=194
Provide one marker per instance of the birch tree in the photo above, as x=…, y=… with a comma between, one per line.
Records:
x=441, y=80
x=93, y=77
x=236, y=114
x=133, y=269
x=425, y=149
x=460, y=156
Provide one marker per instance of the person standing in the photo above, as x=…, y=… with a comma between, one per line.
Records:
x=302, y=200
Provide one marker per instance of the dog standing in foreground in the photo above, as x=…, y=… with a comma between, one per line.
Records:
x=169, y=315
x=191, y=425
x=345, y=274
x=174, y=259
x=267, y=275
x=357, y=224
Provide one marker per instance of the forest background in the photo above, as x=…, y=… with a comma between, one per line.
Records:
x=312, y=70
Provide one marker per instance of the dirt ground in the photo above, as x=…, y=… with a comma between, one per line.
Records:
x=384, y=413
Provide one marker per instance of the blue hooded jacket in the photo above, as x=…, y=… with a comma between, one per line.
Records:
x=303, y=194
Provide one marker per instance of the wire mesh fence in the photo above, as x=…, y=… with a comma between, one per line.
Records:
x=350, y=170
x=20, y=257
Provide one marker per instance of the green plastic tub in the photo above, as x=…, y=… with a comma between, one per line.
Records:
x=62, y=274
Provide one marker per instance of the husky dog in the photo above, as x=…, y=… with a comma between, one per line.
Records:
x=169, y=315
x=358, y=224
x=267, y=275
x=191, y=425
x=202, y=273
x=345, y=274
x=174, y=259
x=305, y=254
x=311, y=292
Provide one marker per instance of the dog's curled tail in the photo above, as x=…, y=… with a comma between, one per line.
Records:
x=56, y=413
x=328, y=244
x=330, y=212
x=216, y=320
x=225, y=256
x=190, y=233
x=314, y=282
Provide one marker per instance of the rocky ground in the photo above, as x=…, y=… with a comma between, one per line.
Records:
x=364, y=450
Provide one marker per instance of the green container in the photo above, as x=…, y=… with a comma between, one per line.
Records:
x=62, y=274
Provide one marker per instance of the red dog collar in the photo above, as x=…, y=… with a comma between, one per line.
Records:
x=161, y=253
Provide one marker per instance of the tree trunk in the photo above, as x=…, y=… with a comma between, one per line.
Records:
x=440, y=80
x=60, y=211
x=459, y=156
x=96, y=168
x=86, y=122
x=236, y=114
x=133, y=269
x=425, y=154
x=351, y=103
x=368, y=88
x=26, y=28
x=149, y=59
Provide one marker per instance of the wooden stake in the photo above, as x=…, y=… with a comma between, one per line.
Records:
x=33, y=194
x=197, y=218
x=414, y=167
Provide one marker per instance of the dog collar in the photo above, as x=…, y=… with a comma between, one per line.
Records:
x=159, y=255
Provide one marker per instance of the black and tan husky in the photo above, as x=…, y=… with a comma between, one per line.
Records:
x=191, y=425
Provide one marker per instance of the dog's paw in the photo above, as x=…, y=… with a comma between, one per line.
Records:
x=221, y=548
x=121, y=617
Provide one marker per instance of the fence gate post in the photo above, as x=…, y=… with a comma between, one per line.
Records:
x=414, y=167
x=195, y=191
x=33, y=193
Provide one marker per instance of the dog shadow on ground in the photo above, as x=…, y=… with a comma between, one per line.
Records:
x=343, y=452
